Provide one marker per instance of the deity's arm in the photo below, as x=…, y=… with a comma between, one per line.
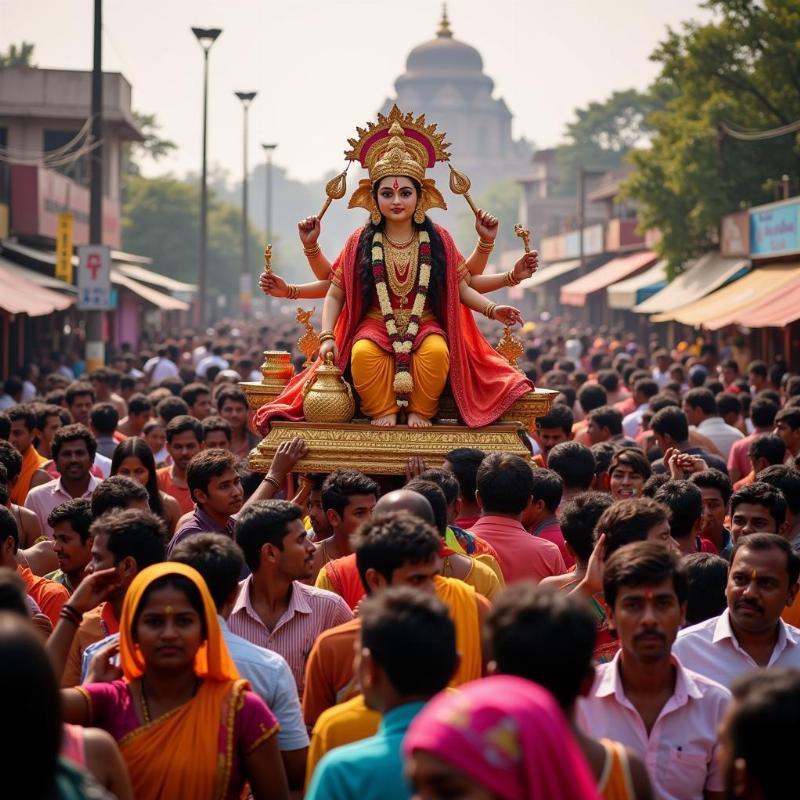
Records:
x=477, y=261
x=487, y=283
x=321, y=268
x=313, y=290
x=332, y=307
x=470, y=298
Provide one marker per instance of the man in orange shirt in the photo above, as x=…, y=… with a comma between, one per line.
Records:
x=48, y=595
x=23, y=424
x=184, y=439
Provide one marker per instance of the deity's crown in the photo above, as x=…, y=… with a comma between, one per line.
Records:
x=398, y=144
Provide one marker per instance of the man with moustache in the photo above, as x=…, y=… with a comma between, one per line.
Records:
x=645, y=698
x=750, y=633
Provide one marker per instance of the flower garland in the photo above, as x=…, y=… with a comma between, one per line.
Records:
x=402, y=343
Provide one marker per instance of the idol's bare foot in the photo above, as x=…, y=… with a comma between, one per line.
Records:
x=416, y=421
x=389, y=421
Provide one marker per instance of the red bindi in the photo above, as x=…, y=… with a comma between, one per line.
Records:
x=395, y=185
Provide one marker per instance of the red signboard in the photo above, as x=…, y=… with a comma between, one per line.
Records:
x=39, y=195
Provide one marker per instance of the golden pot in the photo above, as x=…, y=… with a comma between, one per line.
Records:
x=327, y=396
x=277, y=366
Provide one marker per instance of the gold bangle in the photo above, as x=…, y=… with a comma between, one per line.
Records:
x=485, y=248
x=311, y=251
x=292, y=292
x=325, y=333
x=487, y=242
x=326, y=337
x=488, y=312
x=510, y=279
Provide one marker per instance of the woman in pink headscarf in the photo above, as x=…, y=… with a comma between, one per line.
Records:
x=499, y=738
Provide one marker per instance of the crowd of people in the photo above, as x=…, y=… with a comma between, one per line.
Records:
x=612, y=618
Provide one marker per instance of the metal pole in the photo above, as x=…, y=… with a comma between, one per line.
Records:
x=245, y=282
x=269, y=195
x=95, y=344
x=202, y=263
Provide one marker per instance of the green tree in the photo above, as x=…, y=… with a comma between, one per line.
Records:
x=160, y=219
x=18, y=56
x=153, y=146
x=603, y=133
x=501, y=199
x=743, y=70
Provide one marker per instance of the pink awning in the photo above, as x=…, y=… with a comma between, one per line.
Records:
x=576, y=292
x=18, y=295
x=779, y=308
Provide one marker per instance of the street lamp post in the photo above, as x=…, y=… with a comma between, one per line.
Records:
x=268, y=149
x=206, y=37
x=245, y=288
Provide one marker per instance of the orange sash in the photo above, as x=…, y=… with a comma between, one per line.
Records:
x=31, y=461
x=459, y=598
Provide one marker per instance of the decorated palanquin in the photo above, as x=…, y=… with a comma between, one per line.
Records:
x=402, y=369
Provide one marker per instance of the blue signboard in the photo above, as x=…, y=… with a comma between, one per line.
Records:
x=775, y=230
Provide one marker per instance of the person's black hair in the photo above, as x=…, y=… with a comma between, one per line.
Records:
x=229, y=392
x=578, y=519
x=575, y=464
x=776, y=373
x=132, y=533
x=78, y=389
x=217, y=558
x=12, y=385
x=436, y=288
x=713, y=479
x=728, y=403
x=659, y=401
x=411, y=636
x=435, y=496
x=786, y=480
x=205, y=465
x=762, y=727
x=769, y=446
x=31, y=699
x=569, y=396
x=607, y=417
x=505, y=483
x=173, y=384
x=631, y=457
x=5, y=426
x=191, y=393
x=647, y=387
x=685, y=502
x=761, y=494
x=182, y=584
x=8, y=527
x=11, y=459
x=790, y=415
x=702, y=399
x=763, y=412
x=116, y=492
x=544, y=636
x=643, y=564
x=342, y=484
x=13, y=593
x=707, y=577
x=263, y=522
x=715, y=387
x=214, y=423
x=184, y=424
x=793, y=386
x=127, y=383
x=171, y=408
x=389, y=541
x=603, y=452
x=446, y=481
x=24, y=412
x=77, y=512
x=591, y=396
x=139, y=404
x=45, y=410
x=136, y=447
x=547, y=486
x=671, y=422
x=464, y=463
x=104, y=418
x=760, y=542
x=559, y=416
x=70, y=433
x=626, y=521
x=654, y=483
x=608, y=379
x=769, y=394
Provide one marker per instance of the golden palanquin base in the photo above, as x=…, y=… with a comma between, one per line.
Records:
x=382, y=451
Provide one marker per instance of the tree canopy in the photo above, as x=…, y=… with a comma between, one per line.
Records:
x=741, y=70
x=21, y=56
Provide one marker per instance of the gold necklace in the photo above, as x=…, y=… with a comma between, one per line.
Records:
x=400, y=245
x=401, y=270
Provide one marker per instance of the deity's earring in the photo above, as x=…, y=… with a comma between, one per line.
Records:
x=375, y=214
x=419, y=214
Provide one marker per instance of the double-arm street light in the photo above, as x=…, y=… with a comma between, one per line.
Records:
x=245, y=283
x=206, y=37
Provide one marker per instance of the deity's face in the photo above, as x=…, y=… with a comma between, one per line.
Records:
x=397, y=198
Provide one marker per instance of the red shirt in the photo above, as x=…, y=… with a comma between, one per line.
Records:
x=48, y=595
x=180, y=493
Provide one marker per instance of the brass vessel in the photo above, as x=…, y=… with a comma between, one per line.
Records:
x=276, y=371
x=327, y=396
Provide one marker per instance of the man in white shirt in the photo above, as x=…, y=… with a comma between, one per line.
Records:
x=750, y=633
x=213, y=360
x=700, y=408
x=161, y=366
x=645, y=698
x=643, y=390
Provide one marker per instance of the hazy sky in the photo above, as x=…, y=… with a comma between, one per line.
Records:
x=321, y=67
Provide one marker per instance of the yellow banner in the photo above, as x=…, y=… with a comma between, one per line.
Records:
x=64, y=248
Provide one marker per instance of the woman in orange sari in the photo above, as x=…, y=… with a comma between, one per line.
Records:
x=186, y=725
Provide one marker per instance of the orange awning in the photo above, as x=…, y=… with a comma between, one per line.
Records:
x=778, y=309
x=576, y=292
x=18, y=295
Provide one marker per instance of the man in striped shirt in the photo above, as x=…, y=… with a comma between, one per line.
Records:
x=274, y=609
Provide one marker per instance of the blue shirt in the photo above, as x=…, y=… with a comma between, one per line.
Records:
x=269, y=676
x=371, y=768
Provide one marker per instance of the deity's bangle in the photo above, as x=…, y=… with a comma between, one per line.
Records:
x=510, y=279
x=325, y=335
x=485, y=247
x=272, y=482
x=489, y=310
x=292, y=292
x=312, y=251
